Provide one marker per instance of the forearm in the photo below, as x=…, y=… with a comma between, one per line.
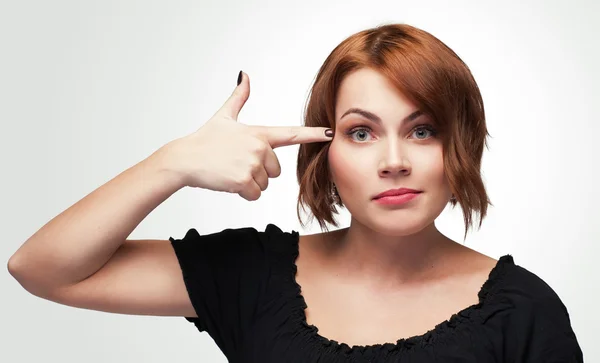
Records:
x=79, y=241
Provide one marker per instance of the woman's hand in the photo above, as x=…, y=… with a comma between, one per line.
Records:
x=225, y=155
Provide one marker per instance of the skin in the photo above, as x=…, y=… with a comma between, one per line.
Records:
x=389, y=256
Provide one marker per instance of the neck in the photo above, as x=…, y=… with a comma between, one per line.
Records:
x=378, y=259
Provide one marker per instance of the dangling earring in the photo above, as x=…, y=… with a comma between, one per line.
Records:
x=453, y=198
x=335, y=195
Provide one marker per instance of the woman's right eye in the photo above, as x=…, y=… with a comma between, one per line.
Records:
x=360, y=131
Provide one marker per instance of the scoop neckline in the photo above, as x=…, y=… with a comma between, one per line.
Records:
x=438, y=332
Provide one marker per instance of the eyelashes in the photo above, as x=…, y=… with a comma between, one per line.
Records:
x=432, y=131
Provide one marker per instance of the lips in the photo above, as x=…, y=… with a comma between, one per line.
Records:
x=393, y=192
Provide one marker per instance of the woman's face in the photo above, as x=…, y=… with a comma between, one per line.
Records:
x=368, y=157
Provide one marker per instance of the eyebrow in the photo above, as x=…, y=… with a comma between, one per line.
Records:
x=373, y=117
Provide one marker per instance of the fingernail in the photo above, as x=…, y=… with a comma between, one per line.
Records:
x=329, y=133
x=239, y=78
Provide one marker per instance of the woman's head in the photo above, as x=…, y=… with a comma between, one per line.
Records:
x=430, y=134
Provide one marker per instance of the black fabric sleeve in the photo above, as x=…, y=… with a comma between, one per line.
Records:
x=550, y=336
x=532, y=322
x=224, y=274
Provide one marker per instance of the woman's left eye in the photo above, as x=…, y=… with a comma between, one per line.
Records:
x=363, y=129
x=426, y=128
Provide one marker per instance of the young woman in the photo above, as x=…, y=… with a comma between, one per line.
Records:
x=410, y=131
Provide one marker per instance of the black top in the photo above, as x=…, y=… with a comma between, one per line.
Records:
x=242, y=285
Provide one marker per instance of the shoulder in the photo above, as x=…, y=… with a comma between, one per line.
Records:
x=238, y=246
x=238, y=235
x=526, y=314
x=514, y=287
x=521, y=285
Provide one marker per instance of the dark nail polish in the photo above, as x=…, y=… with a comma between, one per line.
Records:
x=239, y=78
x=329, y=133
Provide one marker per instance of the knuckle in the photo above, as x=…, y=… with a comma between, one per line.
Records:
x=244, y=180
x=264, y=185
x=246, y=196
x=259, y=147
x=255, y=165
x=253, y=195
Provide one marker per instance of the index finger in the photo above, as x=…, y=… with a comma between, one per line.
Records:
x=278, y=136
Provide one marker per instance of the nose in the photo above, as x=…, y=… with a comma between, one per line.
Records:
x=393, y=161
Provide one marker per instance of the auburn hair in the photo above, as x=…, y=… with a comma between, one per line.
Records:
x=434, y=78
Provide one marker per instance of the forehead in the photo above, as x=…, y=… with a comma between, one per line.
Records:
x=368, y=89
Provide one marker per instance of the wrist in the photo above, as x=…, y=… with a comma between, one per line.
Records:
x=161, y=162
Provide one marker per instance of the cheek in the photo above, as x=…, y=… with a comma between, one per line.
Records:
x=432, y=165
x=342, y=164
x=335, y=161
x=427, y=159
x=432, y=168
x=349, y=169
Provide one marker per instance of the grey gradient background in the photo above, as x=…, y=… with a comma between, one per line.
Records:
x=89, y=88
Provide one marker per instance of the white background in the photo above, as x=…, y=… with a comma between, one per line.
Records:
x=88, y=89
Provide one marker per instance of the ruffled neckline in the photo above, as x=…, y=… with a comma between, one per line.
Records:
x=438, y=333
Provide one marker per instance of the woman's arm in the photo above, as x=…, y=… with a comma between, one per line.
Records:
x=79, y=241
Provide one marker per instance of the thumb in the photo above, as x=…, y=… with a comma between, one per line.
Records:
x=235, y=102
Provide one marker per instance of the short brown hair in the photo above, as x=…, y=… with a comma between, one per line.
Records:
x=431, y=76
